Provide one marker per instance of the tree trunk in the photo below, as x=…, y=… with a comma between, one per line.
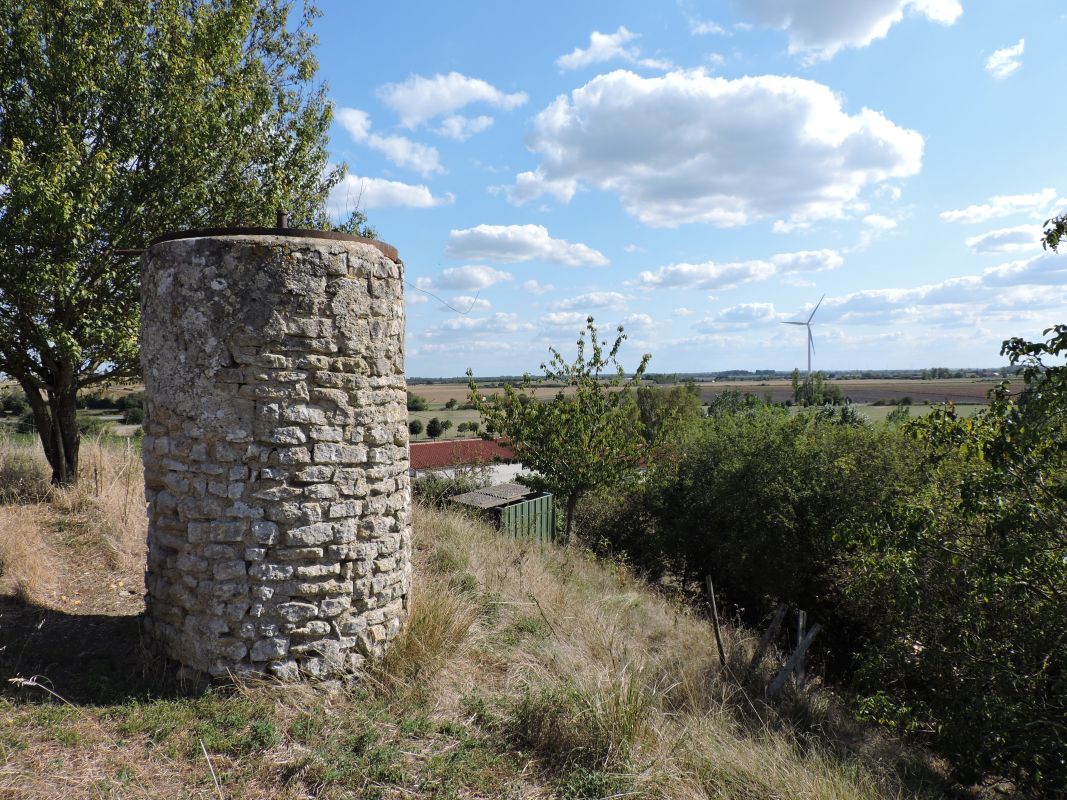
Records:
x=57, y=425
x=572, y=504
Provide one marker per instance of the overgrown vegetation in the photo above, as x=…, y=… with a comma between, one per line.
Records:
x=522, y=672
x=932, y=551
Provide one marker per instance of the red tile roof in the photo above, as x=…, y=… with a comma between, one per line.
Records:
x=457, y=452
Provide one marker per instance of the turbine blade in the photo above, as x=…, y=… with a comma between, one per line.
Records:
x=811, y=341
x=794, y=323
x=816, y=307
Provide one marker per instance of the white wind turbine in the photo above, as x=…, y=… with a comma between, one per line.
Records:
x=807, y=324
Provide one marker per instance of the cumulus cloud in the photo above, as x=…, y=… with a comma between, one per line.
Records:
x=1006, y=61
x=533, y=287
x=615, y=300
x=460, y=128
x=466, y=303
x=682, y=311
x=400, y=150
x=533, y=184
x=688, y=147
x=1001, y=206
x=465, y=279
x=818, y=30
x=743, y=315
x=640, y=321
x=704, y=27
x=512, y=243
x=713, y=275
x=608, y=47
x=879, y=222
x=564, y=319
x=420, y=98
x=499, y=322
x=1007, y=240
x=1010, y=289
x=366, y=193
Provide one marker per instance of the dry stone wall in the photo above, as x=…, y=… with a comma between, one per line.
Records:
x=275, y=452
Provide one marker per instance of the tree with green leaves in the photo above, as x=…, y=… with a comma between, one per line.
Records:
x=589, y=435
x=434, y=428
x=119, y=122
x=415, y=427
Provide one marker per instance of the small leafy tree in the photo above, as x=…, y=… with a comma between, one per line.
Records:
x=434, y=428
x=415, y=427
x=587, y=436
x=120, y=121
x=416, y=403
x=452, y=402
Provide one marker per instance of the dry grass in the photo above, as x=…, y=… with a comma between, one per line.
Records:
x=29, y=567
x=523, y=672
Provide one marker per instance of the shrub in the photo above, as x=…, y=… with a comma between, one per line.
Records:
x=416, y=403
x=133, y=415
x=435, y=490
x=14, y=403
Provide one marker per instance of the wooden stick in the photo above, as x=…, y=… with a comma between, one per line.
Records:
x=802, y=619
x=791, y=664
x=768, y=636
x=715, y=622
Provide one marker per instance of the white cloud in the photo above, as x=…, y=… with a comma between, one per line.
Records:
x=1007, y=240
x=533, y=184
x=743, y=315
x=633, y=248
x=608, y=47
x=461, y=128
x=401, y=151
x=818, y=30
x=682, y=311
x=879, y=222
x=642, y=321
x=1001, y=206
x=499, y=322
x=365, y=193
x=1006, y=61
x=511, y=243
x=465, y=279
x=713, y=275
x=564, y=319
x=615, y=300
x=1007, y=290
x=419, y=98
x=705, y=27
x=415, y=299
x=533, y=287
x=687, y=147
x=466, y=304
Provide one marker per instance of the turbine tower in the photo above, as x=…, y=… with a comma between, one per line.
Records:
x=807, y=324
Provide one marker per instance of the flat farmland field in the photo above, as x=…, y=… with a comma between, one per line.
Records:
x=957, y=390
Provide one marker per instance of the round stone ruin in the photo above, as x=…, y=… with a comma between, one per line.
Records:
x=275, y=450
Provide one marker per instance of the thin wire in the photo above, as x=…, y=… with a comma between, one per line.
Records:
x=442, y=302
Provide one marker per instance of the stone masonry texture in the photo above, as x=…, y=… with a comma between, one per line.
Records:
x=275, y=453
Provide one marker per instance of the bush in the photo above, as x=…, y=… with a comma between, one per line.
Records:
x=416, y=403
x=14, y=403
x=757, y=500
x=132, y=400
x=99, y=402
x=133, y=415
x=436, y=490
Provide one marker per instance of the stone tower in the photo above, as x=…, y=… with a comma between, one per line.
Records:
x=275, y=450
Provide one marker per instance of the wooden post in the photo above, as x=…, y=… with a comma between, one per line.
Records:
x=715, y=622
x=768, y=635
x=791, y=664
x=802, y=619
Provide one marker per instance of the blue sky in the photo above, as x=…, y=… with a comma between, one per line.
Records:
x=703, y=171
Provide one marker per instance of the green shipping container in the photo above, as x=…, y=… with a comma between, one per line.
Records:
x=515, y=510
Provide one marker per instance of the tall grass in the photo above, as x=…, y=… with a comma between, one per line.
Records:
x=612, y=687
